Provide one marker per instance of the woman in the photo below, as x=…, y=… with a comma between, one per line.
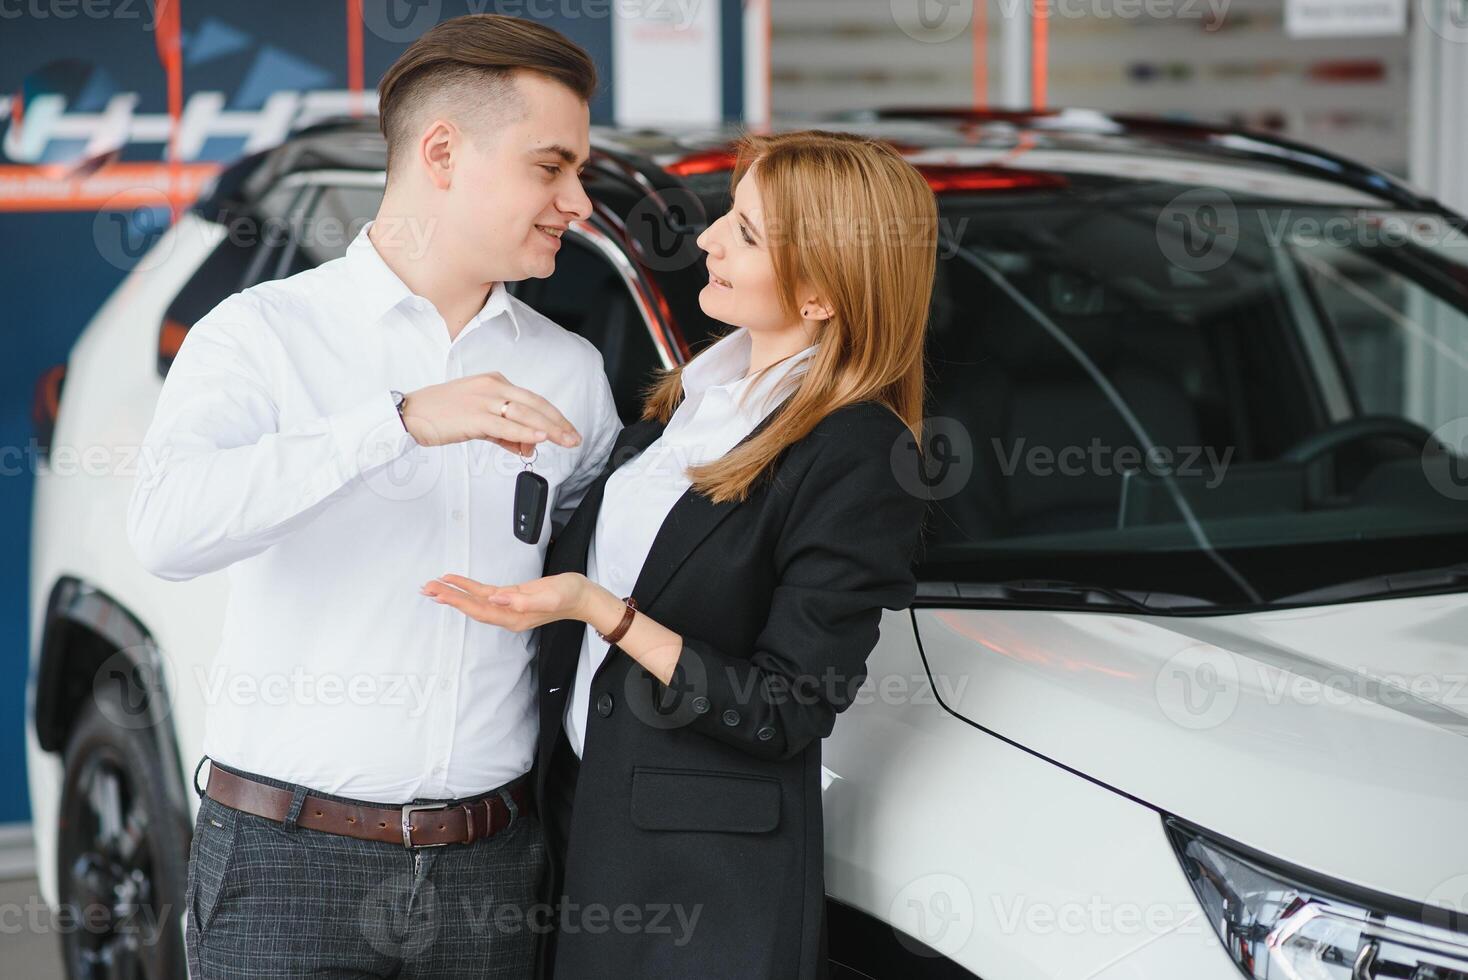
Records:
x=759, y=519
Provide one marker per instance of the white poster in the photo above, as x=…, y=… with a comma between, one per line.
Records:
x=666, y=62
x=1345, y=18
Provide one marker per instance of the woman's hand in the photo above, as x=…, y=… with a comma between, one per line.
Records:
x=515, y=607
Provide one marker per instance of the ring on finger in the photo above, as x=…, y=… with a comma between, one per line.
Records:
x=505, y=409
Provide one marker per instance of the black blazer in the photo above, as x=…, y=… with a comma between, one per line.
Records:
x=698, y=805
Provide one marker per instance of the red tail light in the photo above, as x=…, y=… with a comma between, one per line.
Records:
x=46, y=406
x=707, y=162
x=946, y=179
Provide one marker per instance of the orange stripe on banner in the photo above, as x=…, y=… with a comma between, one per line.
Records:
x=354, y=54
x=115, y=187
x=168, y=36
x=981, y=54
x=1039, y=53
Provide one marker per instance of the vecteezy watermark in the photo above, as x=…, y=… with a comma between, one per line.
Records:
x=937, y=910
x=1359, y=229
x=1445, y=459
x=1097, y=916
x=1448, y=19
x=34, y=916
x=936, y=21
x=402, y=21
x=1100, y=459
x=1198, y=230
x=944, y=465
x=130, y=229
x=131, y=687
x=1446, y=906
x=1198, y=687
x=143, y=11
x=299, y=686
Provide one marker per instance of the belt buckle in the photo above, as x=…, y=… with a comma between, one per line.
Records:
x=408, y=810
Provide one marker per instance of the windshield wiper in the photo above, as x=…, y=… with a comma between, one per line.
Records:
x=1078, y=595
x=1445, y=578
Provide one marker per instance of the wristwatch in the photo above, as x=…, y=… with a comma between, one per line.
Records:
x=398, y=399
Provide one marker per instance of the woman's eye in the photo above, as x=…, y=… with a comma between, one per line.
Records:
x=743, y=233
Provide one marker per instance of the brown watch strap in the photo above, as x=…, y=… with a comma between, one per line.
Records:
x=616, y=635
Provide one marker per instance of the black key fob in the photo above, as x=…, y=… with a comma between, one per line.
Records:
x=531, y=493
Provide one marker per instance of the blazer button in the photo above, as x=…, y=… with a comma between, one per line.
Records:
x=731, y=717
x=604, y=705
x=765, y=734
x=700, y=705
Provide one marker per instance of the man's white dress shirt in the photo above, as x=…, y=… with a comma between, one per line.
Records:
x=276, y=452
x=721, y=405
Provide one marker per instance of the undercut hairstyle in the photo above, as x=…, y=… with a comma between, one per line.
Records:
x=464, y=69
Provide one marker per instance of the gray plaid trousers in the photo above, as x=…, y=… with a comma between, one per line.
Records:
x=271, y=900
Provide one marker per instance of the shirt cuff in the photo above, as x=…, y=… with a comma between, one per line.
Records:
x=372, y=433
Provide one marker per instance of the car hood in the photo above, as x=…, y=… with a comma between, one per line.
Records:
x=1335, y=737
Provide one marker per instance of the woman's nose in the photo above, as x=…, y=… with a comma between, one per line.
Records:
x=705, y=239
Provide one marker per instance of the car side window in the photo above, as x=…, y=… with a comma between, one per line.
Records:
x=586, y=296
x=293, y=228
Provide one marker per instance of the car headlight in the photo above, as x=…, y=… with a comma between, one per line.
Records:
x=1278, y=921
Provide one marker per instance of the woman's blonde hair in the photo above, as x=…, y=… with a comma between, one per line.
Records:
x=848, y=216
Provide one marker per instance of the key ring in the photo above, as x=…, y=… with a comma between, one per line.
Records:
x=534, y=455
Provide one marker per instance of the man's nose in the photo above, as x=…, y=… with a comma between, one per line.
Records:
x=577, y=203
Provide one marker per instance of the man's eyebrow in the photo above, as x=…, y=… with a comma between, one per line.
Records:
x=745, y=218
x=555, y=149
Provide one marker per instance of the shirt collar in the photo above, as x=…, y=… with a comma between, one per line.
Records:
x=725, y=364
x=379, y=289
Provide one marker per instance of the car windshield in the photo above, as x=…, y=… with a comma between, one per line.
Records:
x=1197, y=402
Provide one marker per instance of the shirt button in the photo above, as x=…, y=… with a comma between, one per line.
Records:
x=765, y=734
x=700, y=705
x=604, y=705
x=458, y=514
x=731, y=717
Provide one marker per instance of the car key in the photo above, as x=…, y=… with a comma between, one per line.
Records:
x=531, y=492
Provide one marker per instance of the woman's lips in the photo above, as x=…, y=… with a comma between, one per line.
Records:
x=721, y=283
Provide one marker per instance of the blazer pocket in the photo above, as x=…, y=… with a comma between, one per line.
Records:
x=702, y=799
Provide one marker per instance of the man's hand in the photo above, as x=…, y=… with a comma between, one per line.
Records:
x=484, y=406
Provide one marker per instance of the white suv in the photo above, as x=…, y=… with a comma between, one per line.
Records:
x=1183, y=693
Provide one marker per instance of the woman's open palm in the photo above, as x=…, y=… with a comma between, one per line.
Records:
x=515, y=607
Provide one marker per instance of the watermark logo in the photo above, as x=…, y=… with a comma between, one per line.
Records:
x=131, y=687
x=946, y=462
x=1198, y=687
x=400, y=21
x=933, y=21
x=1198, y=230
x=1447, y=472
x=937, y=910
x=128, y=228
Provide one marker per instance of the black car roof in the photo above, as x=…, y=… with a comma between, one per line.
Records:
x=1102, y=146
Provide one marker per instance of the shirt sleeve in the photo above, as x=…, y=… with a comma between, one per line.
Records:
x=219, y=480
x=607, y=425
x=846, y=554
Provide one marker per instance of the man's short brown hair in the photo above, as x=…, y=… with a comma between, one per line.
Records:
x=466, y=66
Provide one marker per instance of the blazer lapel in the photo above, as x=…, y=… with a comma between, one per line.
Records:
x=692, y=518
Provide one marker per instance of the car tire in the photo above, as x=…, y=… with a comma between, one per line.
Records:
x=122, y=851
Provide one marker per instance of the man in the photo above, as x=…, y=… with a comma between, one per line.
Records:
x=336, y=439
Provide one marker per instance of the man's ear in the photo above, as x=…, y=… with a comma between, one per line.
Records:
x=436, y=150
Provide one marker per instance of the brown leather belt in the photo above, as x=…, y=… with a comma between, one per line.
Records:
x=412, y=825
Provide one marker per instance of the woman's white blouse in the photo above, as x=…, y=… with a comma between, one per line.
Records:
x=719, y=408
